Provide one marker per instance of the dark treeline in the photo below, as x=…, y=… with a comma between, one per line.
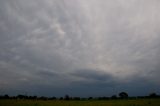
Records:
x=121, y=95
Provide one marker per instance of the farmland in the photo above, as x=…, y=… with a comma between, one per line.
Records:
x=120, y=102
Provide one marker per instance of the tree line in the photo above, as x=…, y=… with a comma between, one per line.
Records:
x=121, y=95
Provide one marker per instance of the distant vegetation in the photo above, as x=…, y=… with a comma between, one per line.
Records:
x=121, y=95
x=123, y=99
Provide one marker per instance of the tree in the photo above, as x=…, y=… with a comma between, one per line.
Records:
x=76, y=98
x=90, y=98
x=6, y=96
x=123, y=95
x=114, y=97
x=61, y=98
x=66, y=97
x=153, y=95
x=53, y=98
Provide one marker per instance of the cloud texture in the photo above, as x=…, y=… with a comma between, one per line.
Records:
x=79, y=46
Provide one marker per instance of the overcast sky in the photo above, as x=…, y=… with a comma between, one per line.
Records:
x=79, y=47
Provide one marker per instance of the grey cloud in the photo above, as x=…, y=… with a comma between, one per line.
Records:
x=72, y=42
x=93, y=75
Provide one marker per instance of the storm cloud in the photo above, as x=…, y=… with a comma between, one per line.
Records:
x=81, y=47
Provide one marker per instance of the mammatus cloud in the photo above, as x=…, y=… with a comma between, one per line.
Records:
x=58, y=44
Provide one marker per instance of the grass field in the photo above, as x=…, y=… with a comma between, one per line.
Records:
x=139, y=102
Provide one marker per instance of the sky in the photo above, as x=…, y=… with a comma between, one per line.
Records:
x=79, y=47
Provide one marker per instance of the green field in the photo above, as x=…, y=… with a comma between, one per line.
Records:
x=139, y=102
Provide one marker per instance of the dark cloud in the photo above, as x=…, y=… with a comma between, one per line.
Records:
x=74, y=46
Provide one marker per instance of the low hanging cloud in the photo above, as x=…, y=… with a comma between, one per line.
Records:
x=58, y=43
